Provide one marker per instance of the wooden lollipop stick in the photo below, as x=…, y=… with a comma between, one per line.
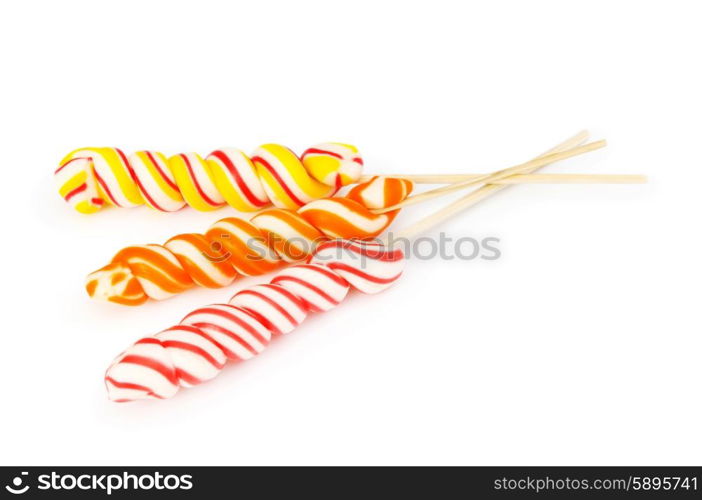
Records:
x=521, y=178
x=475, y=196
x=524, y=168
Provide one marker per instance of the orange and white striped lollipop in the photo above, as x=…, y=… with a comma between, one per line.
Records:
x=233, y=246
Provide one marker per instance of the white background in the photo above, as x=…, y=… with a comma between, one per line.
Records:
x=581, y=345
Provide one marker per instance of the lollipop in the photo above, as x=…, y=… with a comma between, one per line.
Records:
x=233, y=246
x=90, y=178
x=195, y=350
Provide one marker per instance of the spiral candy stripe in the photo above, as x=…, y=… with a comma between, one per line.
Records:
x=319, y=288
x=246, y=246
x=380, y=194
x=343, y=217
x=199, y=261
x=195, y=356
x=233, y=246
x=280, y=310
x=195, y=181
x=195, y=350
x=90, y=178
x=237, y=333
x=156, y=182
x=372, y=269
x=333, y=163
x=290, y=234
x=237, y=178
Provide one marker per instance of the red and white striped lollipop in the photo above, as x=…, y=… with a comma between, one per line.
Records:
x=195, y=350
x=320, y=288
x=365, y=265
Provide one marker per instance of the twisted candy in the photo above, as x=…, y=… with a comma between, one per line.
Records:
x=89, y=178
x=196, y=349
x=233, y=246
